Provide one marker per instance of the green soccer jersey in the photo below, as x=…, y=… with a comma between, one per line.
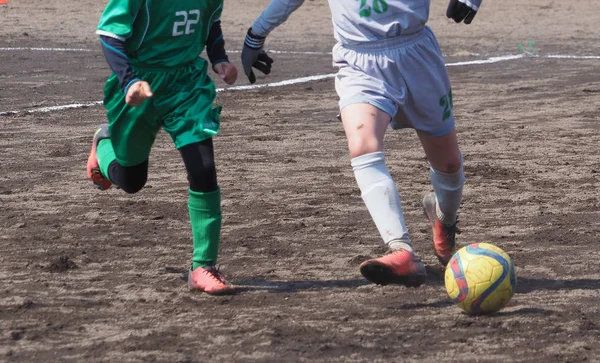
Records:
x=160, y=33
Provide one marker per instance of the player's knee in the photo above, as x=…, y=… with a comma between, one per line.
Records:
x=134, y=184
x=450, y=166
x=130, y=179
x=200, y=166
x=203, y=176
x=360, y=145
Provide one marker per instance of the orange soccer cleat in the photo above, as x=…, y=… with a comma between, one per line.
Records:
x=210, y=280
x=398, y=267
x=93, y=169
x=444, y=236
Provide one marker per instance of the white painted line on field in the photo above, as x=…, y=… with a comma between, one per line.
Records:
x=490, y=60
x=564, y=56
x=49, y=49
x=65, y=107
x=486, y=61
x=53, y=108
x=286, y=52
x=307, y=80
x=279, y=84
x=235, y=88
x=90, y=50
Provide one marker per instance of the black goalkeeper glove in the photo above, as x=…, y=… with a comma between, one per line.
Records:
x=460, y=10
x=254, y=56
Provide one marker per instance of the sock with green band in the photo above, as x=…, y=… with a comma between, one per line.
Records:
x=105, y=155
x=205, y=217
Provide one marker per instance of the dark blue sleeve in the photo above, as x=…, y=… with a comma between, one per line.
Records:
x=215, y=45
x=114, y=52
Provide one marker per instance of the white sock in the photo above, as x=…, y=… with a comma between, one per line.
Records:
x=380, y=195
x=448, y=192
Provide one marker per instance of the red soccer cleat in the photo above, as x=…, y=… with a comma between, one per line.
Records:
x=93, y=169
x=210, y=280
x=399, y=267
x=444, y=236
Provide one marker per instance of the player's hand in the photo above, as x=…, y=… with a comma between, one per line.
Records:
x=138, y=93
x=460, y=10
x=254, y=56
x=226, y=71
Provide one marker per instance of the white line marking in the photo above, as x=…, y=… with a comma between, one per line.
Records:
x=90, y=50
x=49, y=49
x=279, y=84
x=562, y=56
x=306, y=80
x=53, y=108
x=486, y=61
x=286, y=52
x=65, y=107
x=491, y=60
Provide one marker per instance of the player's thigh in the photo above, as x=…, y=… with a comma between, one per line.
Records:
x=428, y=104
x=132, y=129
x=367, y=100
x=192, y=117
x=365, y=127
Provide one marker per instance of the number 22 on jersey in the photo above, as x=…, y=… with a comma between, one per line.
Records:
x=185, y=22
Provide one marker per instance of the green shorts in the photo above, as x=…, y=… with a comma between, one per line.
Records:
x=182, y=104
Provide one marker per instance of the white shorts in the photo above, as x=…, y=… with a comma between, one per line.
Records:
x=403, y=76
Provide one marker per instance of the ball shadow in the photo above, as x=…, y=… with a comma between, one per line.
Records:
x=526, y=285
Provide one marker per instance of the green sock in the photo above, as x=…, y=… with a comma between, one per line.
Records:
x=105, y=155
x=205, y=216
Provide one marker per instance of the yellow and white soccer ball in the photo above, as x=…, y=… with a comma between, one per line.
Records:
x=480, y=278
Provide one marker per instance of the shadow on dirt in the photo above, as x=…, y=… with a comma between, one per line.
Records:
x=436, y=304
x=434, y=278
x=526, y=285
x=482, y=318
x=295, y=286
x=435, y=275
x=524, y=311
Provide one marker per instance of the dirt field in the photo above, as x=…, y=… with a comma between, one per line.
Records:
x=97, y=276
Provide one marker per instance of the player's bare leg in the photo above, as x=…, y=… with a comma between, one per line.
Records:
x=447, y=178
x=365, y=127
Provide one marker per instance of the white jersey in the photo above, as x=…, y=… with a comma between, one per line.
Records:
x=355, y=21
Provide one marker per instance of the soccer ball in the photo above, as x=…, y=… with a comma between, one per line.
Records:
x=480, y=278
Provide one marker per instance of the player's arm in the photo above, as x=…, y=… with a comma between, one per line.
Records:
x=114, y=28
x=114, y=53
x=136, y=90
x=274, y=15
x=215, y=45
x=460, y=10
x=215, y=49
